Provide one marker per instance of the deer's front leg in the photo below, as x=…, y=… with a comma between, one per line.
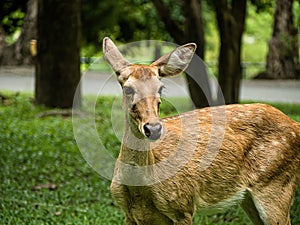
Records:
x=121, y=195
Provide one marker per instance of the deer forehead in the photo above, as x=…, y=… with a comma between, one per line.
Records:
x=139, y=72
x=144, y=79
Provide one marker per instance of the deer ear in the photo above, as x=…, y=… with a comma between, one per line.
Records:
x=176, y=61
x=113, y=56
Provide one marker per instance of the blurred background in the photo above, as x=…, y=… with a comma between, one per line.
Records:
x=238, y=40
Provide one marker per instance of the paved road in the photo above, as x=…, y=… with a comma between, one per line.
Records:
x=22, y=79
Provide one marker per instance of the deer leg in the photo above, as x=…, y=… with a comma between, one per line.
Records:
x=121, y=195
x=272, y=205
x=249, y=207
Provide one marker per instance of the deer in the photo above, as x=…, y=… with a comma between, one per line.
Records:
x=204, y=160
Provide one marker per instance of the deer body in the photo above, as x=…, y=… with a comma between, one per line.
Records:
x=162, y=176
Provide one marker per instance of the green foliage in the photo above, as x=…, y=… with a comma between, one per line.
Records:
x=12, y=14
x=13, y=20
x=9, y=7
x=212, y=38
x=296, y=10
x=97, y=16
x=263, y=5
x=124, y=21
x=12, y=24
x=132, y=20
x=39, y=150
x=43, y=150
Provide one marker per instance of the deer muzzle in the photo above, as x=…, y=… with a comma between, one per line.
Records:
x=153, y=131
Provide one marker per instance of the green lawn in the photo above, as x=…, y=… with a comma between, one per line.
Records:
x=37, y=151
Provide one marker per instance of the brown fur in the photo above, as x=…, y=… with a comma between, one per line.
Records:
x=206, y=160
x=259, y=157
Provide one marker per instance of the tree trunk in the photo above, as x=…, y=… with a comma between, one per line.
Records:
x=197, y=77
x=2, y=42
x=19, y=52
x=193, y=31
x=58, y=59
x=283, y=47
x=231, y=22
x=171, y=26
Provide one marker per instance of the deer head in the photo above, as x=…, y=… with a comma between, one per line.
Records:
x=142, y=87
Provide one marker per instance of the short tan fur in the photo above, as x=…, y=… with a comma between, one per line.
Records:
x=257, y=160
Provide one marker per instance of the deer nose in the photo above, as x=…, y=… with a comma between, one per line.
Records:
x=152, y=130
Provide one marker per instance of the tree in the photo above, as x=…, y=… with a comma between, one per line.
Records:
x=191, y=30
x=93, y=11
x=18, y=53
x=231, y=22
x=58, y=59
x=283, y=55
x=124, y=21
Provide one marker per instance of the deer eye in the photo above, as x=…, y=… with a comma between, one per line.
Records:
x=160, y=90
x=128, y=91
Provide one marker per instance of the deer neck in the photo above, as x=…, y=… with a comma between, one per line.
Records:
x=135, y=149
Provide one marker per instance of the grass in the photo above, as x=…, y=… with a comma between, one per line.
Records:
x=37, y=151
